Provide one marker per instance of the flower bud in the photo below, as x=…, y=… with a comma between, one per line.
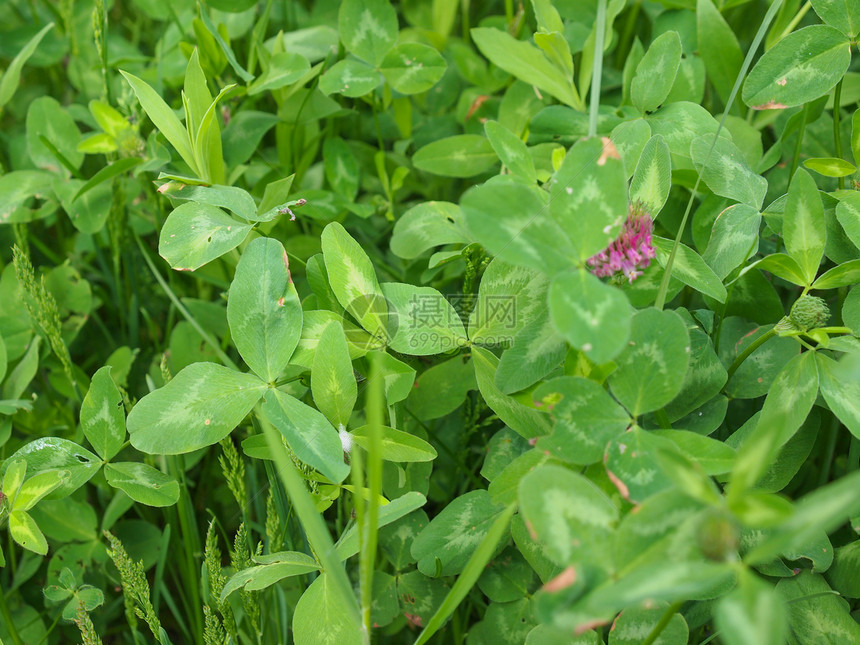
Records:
x=809, y=312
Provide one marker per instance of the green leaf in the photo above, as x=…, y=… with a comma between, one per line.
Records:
x=585, y=419
x=66, y=520
x=428, y=225
x=842, y=14
x=570, y=516
x=848, y=214
x=844, y=275
x=463, y=155
x=526, y=421
x=56, y=454
x=397, y=446
x=830, y=166
x=815, y=613
x=278, y=566
x=4, y=363
x=718, y=47
x=143, y=483
x=12, y=76
x=194, y=234
x=351, y=78
x=633, y=464
x=508, y=297
x=841, y=389
x=163, y=118
x=412, y=68
x=263, y=309
x=511, y=150
x=510, y=218
x=652, y=367
x=37, y=487
x=537, y=350
x=17, y=187
x=801, y=67
x=788, y=402
x=448, y=542
x=656, y=72
x=347, y=545
x=233, y=199
x=354, y=282
x=103, y=416
x=690, y=268
x=781, y=265
x=332, y=380
x=368, y=28
x=320, y=618
x=803, y=224
x=527, y=63
x=47, y=119
x=309, y=435
x=634, y=622
x=652, y=178
x=734, y=238
x=752, y=614
x=592, y=316
x=24, y=531
x=341, y=167
x=724, y=170
x=442, y=388
x=844, y=574
x=426, y=323
x=397, y=376
x=668, y=581
x=588, y=195
x=284, y=69
x=200, y=406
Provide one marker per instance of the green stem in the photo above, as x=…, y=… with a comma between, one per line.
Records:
x=796, y=20
x=312, y=521
x=600, y=26
x=374, y=407
x=837, y=113
x=7, y=618
x=664, y=621
x=758, y=342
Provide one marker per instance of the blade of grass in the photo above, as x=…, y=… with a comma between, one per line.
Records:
x=598, y=67
x=313, y=523
x=375, y=406
x=667, y=274
x=473, y=570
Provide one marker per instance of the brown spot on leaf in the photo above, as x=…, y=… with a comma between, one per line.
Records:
x=770, y=105
x=609, y=151
x=563, y=580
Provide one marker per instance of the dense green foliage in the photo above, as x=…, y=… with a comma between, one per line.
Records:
x=433, y=321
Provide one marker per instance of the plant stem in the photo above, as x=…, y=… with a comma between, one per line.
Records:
x=796, y=20
x=7, y=618
x=671, y=610
x=600, y=26
x=837, y=113
x=312, y=521
x=374, y=410
x=758, y=342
